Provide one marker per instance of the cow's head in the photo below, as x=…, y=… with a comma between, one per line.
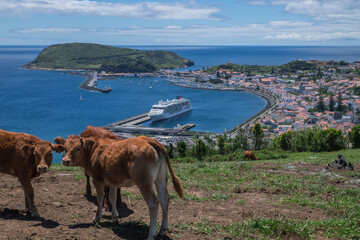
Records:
x=42, y=152
x=76, y=148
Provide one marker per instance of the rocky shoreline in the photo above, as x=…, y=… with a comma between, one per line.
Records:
x=52, y=69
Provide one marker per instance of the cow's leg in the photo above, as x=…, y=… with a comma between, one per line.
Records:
x=112, y=199
x=164, y=197
x=107, y=205
x=29, y=197
x=88, y=186
x=118, y=198
x=99, y=186
x=26, y=202
x=152, y=201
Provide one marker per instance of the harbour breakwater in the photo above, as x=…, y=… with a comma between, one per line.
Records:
x=90, y=82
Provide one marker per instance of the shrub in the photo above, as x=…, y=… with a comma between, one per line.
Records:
x=355, y=136
x=311, y=140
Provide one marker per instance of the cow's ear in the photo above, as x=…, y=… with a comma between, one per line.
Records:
x=58, y=148
x=88, y=143
x=60, y=140
x=28, y=149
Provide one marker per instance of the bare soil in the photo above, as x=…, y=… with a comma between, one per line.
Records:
x=66, y=213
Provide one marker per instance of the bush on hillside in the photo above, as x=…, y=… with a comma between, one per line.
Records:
x=311, y=140
x=355, y=136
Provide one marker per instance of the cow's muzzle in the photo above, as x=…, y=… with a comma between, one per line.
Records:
x=42, y=169
x=66, y=162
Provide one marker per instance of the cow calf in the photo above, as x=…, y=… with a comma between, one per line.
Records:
x=25, y=156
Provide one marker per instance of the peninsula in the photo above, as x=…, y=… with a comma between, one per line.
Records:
x=96, y=57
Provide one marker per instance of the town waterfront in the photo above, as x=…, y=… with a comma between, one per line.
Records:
x=46, y=103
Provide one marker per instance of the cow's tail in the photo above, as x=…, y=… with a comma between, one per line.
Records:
x=176, y=181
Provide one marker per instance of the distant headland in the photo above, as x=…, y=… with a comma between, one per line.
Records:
x=96, y=57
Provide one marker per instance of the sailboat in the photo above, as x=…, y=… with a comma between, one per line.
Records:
x=81, y=98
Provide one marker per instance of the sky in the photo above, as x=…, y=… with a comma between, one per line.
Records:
x=165, y=22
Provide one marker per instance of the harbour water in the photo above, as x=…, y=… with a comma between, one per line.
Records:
x=46, y=103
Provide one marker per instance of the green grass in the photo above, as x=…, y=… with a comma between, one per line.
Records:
x=60, y=167
x=340, y=204
x=132, y=196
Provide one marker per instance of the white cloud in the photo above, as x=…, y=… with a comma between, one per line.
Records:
x=256, y=2
x=290, y=24
x=148, y=10
x=324, y=10
x=290, y=31
x=47, y=30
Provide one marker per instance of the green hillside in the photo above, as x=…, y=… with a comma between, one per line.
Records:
x=87, y=56
x=290, y=67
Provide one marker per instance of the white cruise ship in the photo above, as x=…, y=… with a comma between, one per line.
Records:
x=169, y=108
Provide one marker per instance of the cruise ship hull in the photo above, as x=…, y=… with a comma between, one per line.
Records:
x=158, y=117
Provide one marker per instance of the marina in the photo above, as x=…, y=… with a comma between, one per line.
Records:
x=132, y=125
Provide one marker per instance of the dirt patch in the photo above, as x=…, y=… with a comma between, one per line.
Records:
x=67, y=214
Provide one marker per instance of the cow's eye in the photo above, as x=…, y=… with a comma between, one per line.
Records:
x=77, y=149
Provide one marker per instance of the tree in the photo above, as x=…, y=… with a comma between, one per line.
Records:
x=240, y=141
x=321, y=105
x=339, y=106
x=331, y=103
x=200, y=149
x=170, y=151
x=319, y=74
x=355, y=136
x=221, y=144
x=258, y=135
x=181, y=148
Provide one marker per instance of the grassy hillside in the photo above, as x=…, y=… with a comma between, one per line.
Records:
x=105, y=58
x=290, y=67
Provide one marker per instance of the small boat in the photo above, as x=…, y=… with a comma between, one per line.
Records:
x=107, y=89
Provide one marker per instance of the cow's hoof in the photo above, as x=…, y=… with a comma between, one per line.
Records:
x=162, y=232
x=96, y=220
x=115, y=219
x=35, y=215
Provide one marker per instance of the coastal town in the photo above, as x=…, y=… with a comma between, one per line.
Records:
x=298, y=96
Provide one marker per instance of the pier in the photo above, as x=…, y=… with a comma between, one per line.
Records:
x=91, y=84
x=131, y=125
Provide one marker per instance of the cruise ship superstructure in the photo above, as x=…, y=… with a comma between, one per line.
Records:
x=169, y=108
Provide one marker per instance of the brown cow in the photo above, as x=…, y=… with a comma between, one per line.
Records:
x=25, y=156
x=250, y=155
x=98, y=132
x=125, y=163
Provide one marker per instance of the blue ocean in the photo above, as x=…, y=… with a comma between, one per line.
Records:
x=46, y=103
